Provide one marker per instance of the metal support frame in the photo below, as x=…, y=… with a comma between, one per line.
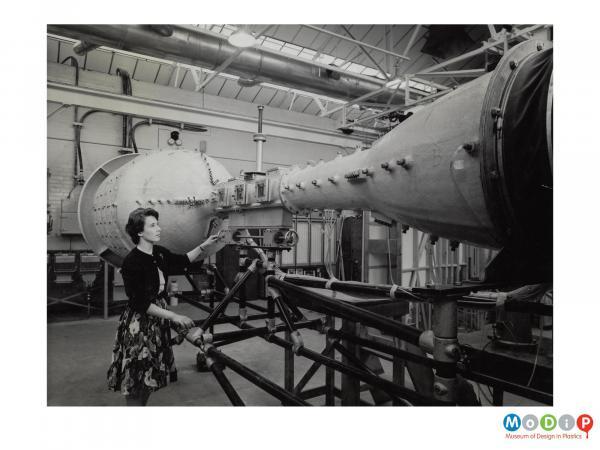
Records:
x=220, y=308
x=197, y=75
x=286, y=397
x=361, y=375
x=367, y=54
x=288, y=364
x=320, y=303
x=501, y=39
x=85, y=294
x=408, y=105
x=412, y=39
x=350, y=385
x=354, y=41
x=483, y=48
x=356, y=100
x=468, y=73
x=224, y=65
x=443, y=345
x=312, y=370
x=229, y=390
x=329, y=372
x=156, y=109
x=229, y=337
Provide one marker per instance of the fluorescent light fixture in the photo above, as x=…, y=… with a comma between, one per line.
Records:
x=242, y=39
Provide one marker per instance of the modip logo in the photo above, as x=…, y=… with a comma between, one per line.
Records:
x=512, y=422
x=585, y=423
x=547, y=427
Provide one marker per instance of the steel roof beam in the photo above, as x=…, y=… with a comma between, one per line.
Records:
x=354, y=41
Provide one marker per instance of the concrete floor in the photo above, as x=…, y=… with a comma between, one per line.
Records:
x=79, y=354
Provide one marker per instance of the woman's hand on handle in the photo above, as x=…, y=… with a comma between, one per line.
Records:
x=210, y=244
x=182, y=321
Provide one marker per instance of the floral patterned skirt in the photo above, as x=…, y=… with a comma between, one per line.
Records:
x=142, y=355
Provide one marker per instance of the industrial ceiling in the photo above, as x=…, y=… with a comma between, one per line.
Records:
x=375, y=55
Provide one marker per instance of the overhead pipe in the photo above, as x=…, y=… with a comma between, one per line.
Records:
x=162, y=30
x=83, y=47
x=204, y=50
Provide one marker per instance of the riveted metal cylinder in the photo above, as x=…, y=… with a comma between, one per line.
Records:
x=451, y=177
x=159, y=180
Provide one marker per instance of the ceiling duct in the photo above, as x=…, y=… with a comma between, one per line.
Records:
x=162, y=30
x=247, y=82
x=204, y=50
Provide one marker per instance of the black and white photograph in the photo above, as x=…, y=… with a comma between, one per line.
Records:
x=327, y=215
x=366, y=214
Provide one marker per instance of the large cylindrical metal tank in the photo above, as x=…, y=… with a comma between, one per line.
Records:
x=178, y=184
x=473, y=166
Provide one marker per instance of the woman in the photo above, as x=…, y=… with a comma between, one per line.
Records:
x=142, y=354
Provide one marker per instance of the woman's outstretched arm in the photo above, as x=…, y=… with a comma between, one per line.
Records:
x=204, y=250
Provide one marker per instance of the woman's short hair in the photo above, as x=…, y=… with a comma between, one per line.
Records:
x=136, y=222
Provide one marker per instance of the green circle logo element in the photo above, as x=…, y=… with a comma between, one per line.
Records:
x=548, y=422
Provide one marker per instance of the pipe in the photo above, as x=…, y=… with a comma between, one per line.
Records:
x=201, y=49
x=167, y=123
x=287, y=320
x=523, y=391
x=84, y=47
x=353, y=286
x=77, y=157
x=509, y=306
x=317, y=302
x=127, y=90
x=286, y=397
x=162, y=30
x=262, y=331
x=312, y=370
x=229, y=390
x=223, y=318
x=259, y=138
x=373, y=380
x=223, y=304
x=407, y=356
x=354, y=360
